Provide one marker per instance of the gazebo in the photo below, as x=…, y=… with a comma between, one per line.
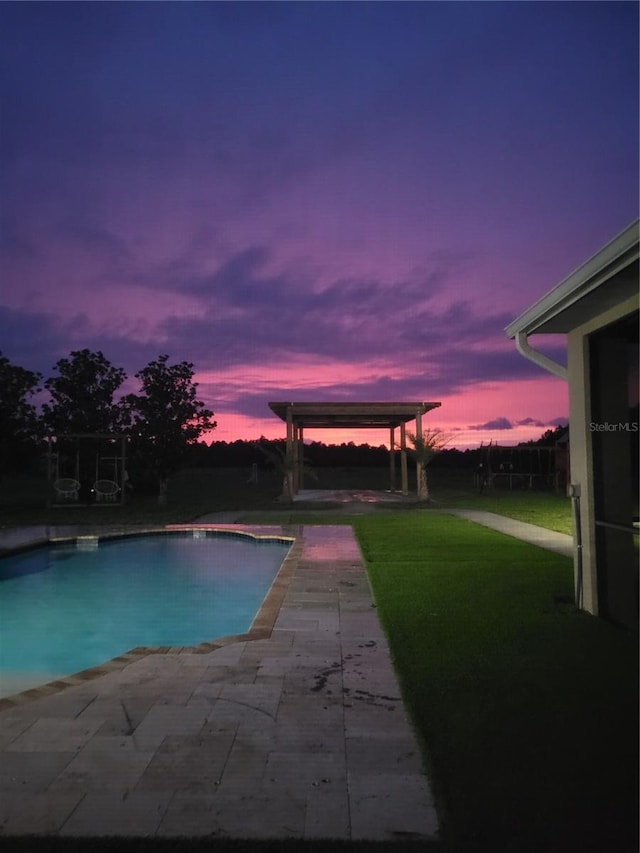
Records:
x=389, y=416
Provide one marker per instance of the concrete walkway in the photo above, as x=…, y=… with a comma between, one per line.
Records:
x=561, y=543
x=298, y=734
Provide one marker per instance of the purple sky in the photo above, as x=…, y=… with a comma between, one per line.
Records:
x=312, y=201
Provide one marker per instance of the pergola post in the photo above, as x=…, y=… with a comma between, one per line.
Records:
x=290, y=462
x=420, y=479
x=299, y=460
x=392, y=459
x=403, y=458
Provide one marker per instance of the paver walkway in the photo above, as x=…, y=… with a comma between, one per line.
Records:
x=302, y=734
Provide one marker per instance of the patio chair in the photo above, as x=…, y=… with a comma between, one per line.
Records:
x=106, y=491
x=67, y=489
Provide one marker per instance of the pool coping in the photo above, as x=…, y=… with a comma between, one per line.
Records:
x=261, y=626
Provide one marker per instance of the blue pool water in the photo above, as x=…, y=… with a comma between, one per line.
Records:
x=65, y=608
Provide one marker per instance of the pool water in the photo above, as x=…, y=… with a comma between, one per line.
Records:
x=65, y=608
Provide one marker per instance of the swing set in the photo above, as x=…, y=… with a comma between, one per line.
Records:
x=87, y=469
x=522, y=467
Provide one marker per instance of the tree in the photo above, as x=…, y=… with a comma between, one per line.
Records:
x=425, y=447
x=548, y=438
x=82, y=395
x=20, y=425
x=165, y=419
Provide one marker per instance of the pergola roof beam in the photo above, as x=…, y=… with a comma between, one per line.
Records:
x=350, y=415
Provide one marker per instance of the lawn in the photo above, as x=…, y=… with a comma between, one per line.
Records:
x=545, y=509
x=526, y=708
x=451, y=488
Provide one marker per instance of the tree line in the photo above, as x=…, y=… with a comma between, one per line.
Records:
x=161, y=420
x=243, y=453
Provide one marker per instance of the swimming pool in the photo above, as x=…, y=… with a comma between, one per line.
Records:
x=69, y=607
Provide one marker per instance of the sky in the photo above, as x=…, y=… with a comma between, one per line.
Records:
x=313, y=201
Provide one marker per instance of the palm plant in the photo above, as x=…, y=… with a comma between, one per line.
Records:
x=283, y=460
x=425, y=446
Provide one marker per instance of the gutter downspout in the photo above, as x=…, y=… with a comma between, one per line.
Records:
x=524, y=348
x=574, y=493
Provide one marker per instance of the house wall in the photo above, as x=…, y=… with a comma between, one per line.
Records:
x=581, y=416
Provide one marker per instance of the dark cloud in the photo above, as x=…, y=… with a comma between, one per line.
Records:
x=251, y=315
x=530, y=422
x=353, y=316
x=57, y=338
x=501, y=423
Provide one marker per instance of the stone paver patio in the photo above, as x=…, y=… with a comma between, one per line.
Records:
x=299, y=732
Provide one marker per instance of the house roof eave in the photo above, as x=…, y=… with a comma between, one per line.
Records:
x=581, y=293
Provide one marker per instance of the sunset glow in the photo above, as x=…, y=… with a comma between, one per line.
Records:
x=312, y=201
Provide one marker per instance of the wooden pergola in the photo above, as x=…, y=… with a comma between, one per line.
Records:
x=390, y=416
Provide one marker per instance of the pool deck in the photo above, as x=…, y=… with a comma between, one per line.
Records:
x=298, y=733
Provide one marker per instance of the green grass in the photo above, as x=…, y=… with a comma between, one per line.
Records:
x=527, y=708
x=550, y=511
x=544, y=508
